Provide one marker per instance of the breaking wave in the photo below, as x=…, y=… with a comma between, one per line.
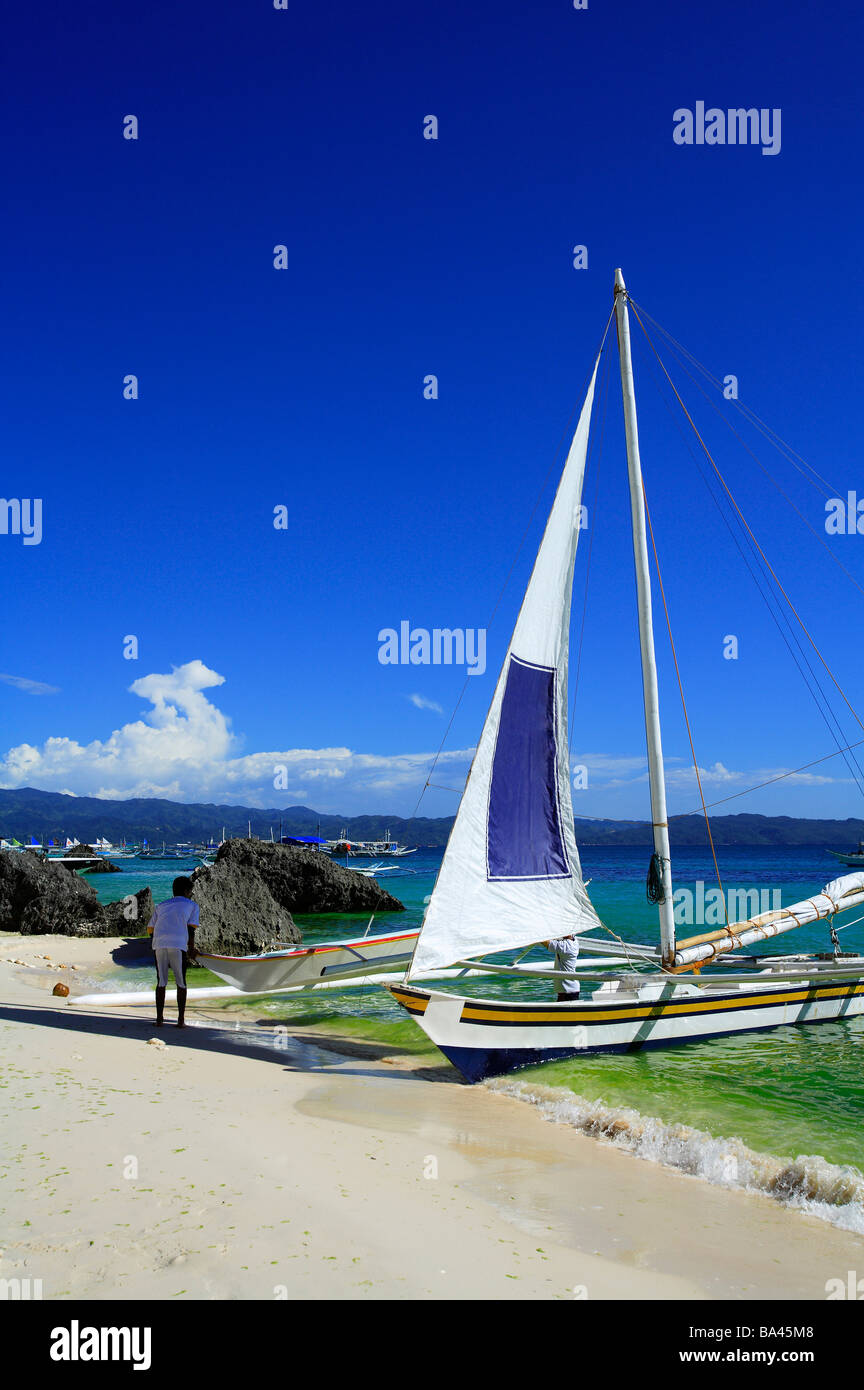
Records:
x=808, y=1183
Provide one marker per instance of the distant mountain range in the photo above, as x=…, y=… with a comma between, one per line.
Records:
x=52, y=815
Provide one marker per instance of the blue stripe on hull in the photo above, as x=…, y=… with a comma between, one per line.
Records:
x=479, y=1063
x=476, y=1063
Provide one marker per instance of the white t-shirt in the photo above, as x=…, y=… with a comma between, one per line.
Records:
x=170, y=924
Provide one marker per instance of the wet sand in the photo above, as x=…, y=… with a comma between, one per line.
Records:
x=217, y=1162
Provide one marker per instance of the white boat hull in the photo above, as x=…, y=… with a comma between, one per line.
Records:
x=489, y=1037
x=304, y=966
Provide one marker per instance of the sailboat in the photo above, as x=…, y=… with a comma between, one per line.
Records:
x=511, y=876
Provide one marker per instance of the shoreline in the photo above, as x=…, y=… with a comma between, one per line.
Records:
x=328, y=1167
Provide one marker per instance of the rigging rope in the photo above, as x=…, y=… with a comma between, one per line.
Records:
x=774, y=439
x=781, y=777
x=686, y=721
x=749, y=530
x=778, y=617
x=654, y=889
x=827, y=488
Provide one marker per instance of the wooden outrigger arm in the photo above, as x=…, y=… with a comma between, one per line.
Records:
x=839, y=896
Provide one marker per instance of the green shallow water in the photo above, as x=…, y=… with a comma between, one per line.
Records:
x=785, y=1092
x=789, y=1091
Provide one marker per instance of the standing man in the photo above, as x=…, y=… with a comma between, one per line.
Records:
x=172, y=927
x=566, y=950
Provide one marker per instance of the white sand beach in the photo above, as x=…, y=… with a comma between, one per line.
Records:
x=217, y=1163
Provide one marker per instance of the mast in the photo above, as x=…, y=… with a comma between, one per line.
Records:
x=656, y=776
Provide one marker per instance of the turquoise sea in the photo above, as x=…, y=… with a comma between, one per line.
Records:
x=780, y=1111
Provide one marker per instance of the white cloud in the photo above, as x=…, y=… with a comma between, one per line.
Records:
x=422, y=703
x=609, y=765
x=718, y=775
x=30, y=687
x=184, y=749
x=607, y=771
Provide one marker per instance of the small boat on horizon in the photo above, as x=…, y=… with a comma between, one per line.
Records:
x=854, y=858
x=368, y=849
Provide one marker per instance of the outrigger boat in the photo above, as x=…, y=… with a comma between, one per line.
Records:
x=368, y=849
x=511, y=876
x=304, y=966
x=854, y=858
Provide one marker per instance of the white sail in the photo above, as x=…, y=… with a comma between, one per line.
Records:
x=510, y=874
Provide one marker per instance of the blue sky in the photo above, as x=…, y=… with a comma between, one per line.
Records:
x=258, y=648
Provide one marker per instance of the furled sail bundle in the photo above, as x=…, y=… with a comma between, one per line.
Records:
x=510, y=874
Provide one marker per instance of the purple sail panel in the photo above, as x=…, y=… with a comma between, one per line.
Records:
x=523, y=833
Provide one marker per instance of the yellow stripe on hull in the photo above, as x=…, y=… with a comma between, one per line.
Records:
x=473, y=1013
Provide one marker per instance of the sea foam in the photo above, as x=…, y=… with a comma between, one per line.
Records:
x=808, y=1183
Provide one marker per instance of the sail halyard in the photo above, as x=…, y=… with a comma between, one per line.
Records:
x=511, y=875
x=656, y=776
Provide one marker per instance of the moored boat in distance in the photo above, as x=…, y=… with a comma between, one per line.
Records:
x=177, y=852
x=375, y=870
x=368, y=849
x=854, y=858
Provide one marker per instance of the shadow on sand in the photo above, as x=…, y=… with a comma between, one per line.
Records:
x=135, y=951
x=293, y=1052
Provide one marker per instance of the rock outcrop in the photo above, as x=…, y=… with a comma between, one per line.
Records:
x=38, y=896
x=130, y=915
x=248, y=896
x=239, y=917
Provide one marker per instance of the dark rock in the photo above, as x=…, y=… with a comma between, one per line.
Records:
x=303, y=880
x=37, y=896
x=130, y=915
x=246, y=898
x=248, y=895
x=239, y=917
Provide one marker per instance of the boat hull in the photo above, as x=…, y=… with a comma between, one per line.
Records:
x=485, y=1037
x=305, y=966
